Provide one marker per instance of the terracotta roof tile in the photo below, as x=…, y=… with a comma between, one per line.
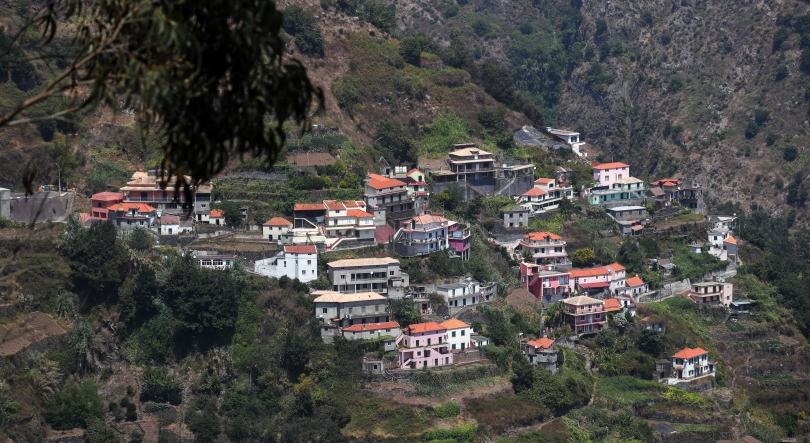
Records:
x=454, y=323
x=614, y=165
x=541, y=236
x=615, y=267
x=309, y=207
x=126, y=206
x=731, y=240
x=534, y=192
x=544, y=343
x=690, y=353
x=377, y=181
x=372, y=326
x=634, y=282
x=428, y=218
x=359, y=213
x=277, y=221
x=544, y=180
x=593, y=272
x=612, y=304
x=305, y=249
x=420, y=328
x=582, y=300
x=217, y=213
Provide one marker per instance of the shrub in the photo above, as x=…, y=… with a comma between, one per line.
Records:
x=665, y=39
x=451, y=11
x=526, y=28
x=99, y=432
x=106, y=373
x=583, y=257
x=160, y=386
x=761, y=116
x=675, y=83
x=781, y=73
x=411, y=48
x=447, y=410
x=771, y=138
x=751, y=129
x=205, y=426
x=779, y=37
x=75, y=406
x=305, y=28
x=601, y=26
x=140, y=239
x=379, y=14
x=167, y=436
x=481, y=27
x=789, y=153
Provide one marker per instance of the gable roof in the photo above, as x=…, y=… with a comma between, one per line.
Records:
x=377, y=181
x=731, y=240
x=544, y=180
x=533, y=192
x=612, y=304
x=217, y=213
x=420, y=328
x=277, y=221
x=107, y=196
x=468, y=152
x=544, y=343
x=615, y=267
x=304, y=249
x=581, y=300
x=372, y=326
x=593, y=272
x=333, y=205
x=359, y=213
x=170, y=220
x=362, y=262
x=454, y=323
x=633, y=282
x=126, y=206
x=690, y=353
x=614, y=165
x=309, y=207
x=428, y=218
x=540, y=236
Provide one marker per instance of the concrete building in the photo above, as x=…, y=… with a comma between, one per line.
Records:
x=541, y=353
x=275, y=228
x=584, y=315
x=425, y=234
x=712, y=293
x=213, y=260
x=546, y=195
x=299, y=262
x=372, y=331
x=169, y=225
x=607, y=174
x=424, y=345
x=544, y=282
x=335, y=311
x=5, y=203
x=458, y=334
x=387, y=197
x=625, y=191
x=128, y=216
x=516, y=217
x=380, y=275
x=545, y=248
x=627, y=213
x=689, y=364
x=466, y=293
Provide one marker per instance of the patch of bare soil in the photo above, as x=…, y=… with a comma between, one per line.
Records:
x=404, y=394
x=27, y=331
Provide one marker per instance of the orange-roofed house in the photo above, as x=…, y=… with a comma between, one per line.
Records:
x=299, y=262
x=591, y=281
x=348, y=220
x=687, y=193
x=128, y=216
x=616, y=275
x=101, y=202
x=730, y=246
x=633, y=287
x=424, y=345
x=413, y=179
x=216, y=217
x=691, y=363
x=458, y=334
x=607, y=174
x=540, y=352
x=387, y=198
x=545, y=247
x=613, y=305
x=274, y=228
x=425, y=234
x=546, y=195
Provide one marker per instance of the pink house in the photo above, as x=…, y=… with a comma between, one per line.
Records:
x=460, y=240
x=607, y=174
x=590, y=280
x=544, y=283
x=584, y=314
x=101, y=202
x=424, y=345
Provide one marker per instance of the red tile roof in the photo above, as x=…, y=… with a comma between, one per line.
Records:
x=371, y=326
x=577, y=273
x=377, y=181
x=383, y=233
x=541, y=236
x=305, y=249
x=534, y=192
x=309, y=207
x=277, y=221
x=616, y=267
x=170, y=220
x=612, y=304
x=420, y=328
x=414, y=170
x=217, y=213
x=126, y=206
x=666, y=182
x=596, y=284
x=614, y=165
x=108, y=196
x=428, y=218
x=544, y=343
x=454, y=323
x=333, y=205
x=690, y=353
x=731, y=240
x=544, y=180
x=359, y=213
x=634, y=282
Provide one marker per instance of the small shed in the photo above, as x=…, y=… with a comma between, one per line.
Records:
x=479, y=341
x=663, y=370
x=372, y=364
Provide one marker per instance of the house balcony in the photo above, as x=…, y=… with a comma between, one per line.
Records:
x=425, y=240
x=580, y=311
x=181, y=199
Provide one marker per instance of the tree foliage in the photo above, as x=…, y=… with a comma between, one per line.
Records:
x=412, y=47
x=75, y=406
x=583, y=258
x=305, y=28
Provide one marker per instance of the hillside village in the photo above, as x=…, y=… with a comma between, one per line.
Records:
x=421, y=268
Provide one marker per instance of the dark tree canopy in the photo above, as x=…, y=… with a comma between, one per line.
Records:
x=216, y=90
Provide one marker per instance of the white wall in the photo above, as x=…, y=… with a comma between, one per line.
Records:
x=301, y=266
x=459, y=339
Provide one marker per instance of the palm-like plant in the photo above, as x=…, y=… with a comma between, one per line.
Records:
x=44, y=374
x=86, y=344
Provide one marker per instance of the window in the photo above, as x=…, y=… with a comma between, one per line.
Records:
x=303, y=272
x=309, y=262
x=324, y=310
x=454, y=334
x=391, y=273
x=462, y=333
